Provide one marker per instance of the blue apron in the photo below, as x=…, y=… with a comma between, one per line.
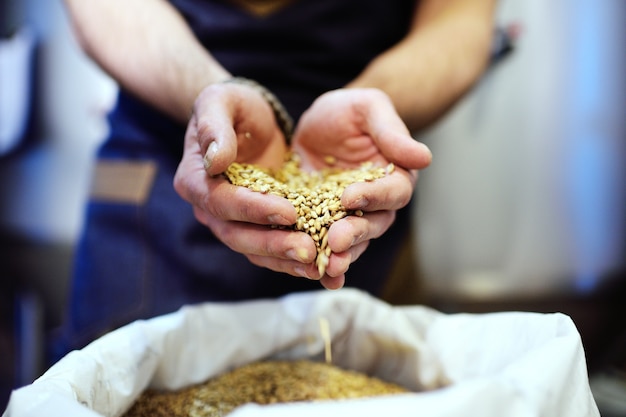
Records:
x=137, y=261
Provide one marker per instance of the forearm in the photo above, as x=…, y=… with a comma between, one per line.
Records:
x=436, y=64
x=147, y=47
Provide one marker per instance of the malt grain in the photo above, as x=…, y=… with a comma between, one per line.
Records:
x=264, y=382
x=316, y=195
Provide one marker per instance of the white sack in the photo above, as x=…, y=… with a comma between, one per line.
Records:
x=513, y=364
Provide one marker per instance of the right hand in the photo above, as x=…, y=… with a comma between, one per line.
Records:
x=354, y=126
x=232, y=122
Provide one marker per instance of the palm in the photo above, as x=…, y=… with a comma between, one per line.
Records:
x=336, y=126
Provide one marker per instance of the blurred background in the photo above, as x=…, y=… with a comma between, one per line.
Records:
x=523, y=208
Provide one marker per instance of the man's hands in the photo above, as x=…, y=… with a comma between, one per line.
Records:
x=234, y=123
x=354, y=126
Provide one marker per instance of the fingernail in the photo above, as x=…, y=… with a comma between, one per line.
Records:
x=209, y=155
x=301, y=272
x=298, y=254
x=360, y=203
x=278, y=220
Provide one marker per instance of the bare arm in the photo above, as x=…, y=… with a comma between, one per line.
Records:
x=440, y=59
x=147, y=47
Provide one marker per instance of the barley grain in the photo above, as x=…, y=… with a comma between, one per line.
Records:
x=316, y=196
x=264, y=382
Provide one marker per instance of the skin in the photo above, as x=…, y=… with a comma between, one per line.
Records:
x=152, y=53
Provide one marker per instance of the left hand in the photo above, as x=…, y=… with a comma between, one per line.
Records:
x=354, y=126
x=233, y=122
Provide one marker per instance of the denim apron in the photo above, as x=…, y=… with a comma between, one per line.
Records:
x=139, y=258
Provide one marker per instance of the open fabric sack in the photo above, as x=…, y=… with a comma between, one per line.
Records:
x=513, y=363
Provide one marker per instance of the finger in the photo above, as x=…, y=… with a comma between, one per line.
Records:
x=354, y=230
x=190, y=179
x=339, y=263
x=228, y=202
x=391, y=192
x=294, y=268
x=333, y=283
x=212, y=125
x=391, y=134
x=261, y=241
x=401, y=149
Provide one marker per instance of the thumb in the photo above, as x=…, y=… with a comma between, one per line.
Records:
x=403, y=150
x=394, y=140
x=216, y=137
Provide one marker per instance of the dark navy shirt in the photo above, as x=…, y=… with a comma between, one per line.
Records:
x=299, y=52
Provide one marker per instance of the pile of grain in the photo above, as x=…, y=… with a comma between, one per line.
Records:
x=316, y=196
x=262, y=383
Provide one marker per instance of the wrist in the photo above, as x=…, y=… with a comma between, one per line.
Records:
x=283, y=119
